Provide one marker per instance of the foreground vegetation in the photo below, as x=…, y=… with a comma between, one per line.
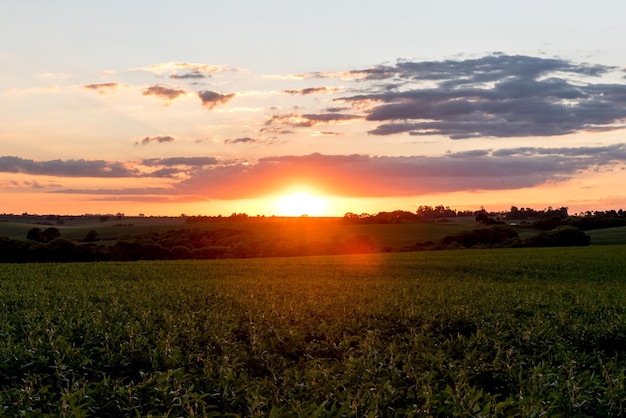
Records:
x=525, y=332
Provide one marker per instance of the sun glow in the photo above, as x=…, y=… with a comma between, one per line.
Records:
x=301, y=203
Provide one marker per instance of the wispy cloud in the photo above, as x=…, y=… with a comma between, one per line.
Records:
x=244, y=140
x=327, y=133
x=103, y=88
x=311, y=90
x=176, y=161
x=296, y=120
x=159, y=139
x=68, y=168
x=184, y=69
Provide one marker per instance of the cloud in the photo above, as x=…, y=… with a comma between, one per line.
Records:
x=467, y=154
x=275, y=131
x=616, y=151
x=159, y=139
x=68, y=168
x=26, y=184
x=493, y=96
x=188, y=69
x=311, y=90
x=295, y=120
x=103, y=88
x=194, y=75
x=186, y=161
x=119, y=192
x=210, y=99
x=245, y=140
x=492, y=67
x=327, y=133
x=166, y=93
x=377, y=176
x=167, y=167
x=352, y=175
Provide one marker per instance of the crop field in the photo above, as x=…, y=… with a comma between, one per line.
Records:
x=510, y=332
x=394, y=236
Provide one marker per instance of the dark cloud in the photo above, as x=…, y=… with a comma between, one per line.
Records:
x=295, y=120
x=210, y=99
x=159, y=139
x=190, y=75
x=245, y=140
x=102, y=88
x=68, y=168
x=490, y=68
x=101, y=168
x=164, y=92
x=493, y=96
x=310, y=90
x=467, y=154
x=337, y=109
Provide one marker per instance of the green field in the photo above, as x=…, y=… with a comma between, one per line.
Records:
x=511, y=332
x=386, y=237
x=16, y=227
x=608, y=236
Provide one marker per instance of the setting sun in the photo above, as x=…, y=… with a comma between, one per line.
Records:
x=301, y=203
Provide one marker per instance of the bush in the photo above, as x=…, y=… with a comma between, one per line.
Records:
x=490, y=236
x=564, y=236
x=547, y=223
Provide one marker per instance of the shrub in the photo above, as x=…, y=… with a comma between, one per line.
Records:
x=564, y=236
x=489, y=236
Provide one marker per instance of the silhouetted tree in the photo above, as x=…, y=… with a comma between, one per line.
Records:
x=92, y=236
x=34, y=234
x=50, y=234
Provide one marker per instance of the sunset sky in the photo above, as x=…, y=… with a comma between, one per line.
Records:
x=215, y=107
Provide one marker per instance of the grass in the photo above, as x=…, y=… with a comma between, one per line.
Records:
x=524, y=332
x=78, y=227
x=609, y=236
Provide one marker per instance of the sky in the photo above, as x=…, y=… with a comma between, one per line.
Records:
x=325, y=107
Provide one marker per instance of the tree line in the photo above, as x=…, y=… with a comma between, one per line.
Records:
x=177, y=244
x=544, y=219
x=556, y=226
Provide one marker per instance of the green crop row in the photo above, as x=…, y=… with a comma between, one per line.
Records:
x=512, y=332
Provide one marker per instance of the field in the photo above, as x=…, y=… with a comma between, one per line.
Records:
x=511, y=332
x=267, y=231
x=387, y=237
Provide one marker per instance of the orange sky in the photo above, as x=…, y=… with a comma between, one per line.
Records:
x=148, y=109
